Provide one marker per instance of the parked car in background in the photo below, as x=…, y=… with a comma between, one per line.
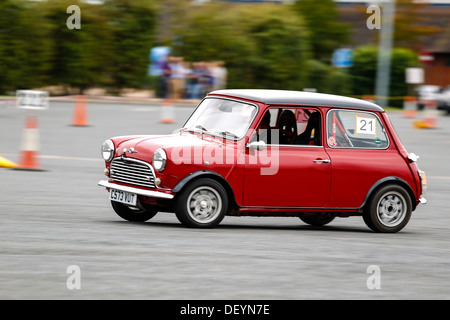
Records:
x=444, y=100
x=269, y=153
x=426, y=93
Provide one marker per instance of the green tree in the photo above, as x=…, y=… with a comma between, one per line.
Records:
x=263, y=48
x=364, y=70
x=24, y=47
x=328, y=79
x=326, y=33
x=10, y=11
x=111, y=48
x=133, y=25
x=410, y=25
x=80, y=57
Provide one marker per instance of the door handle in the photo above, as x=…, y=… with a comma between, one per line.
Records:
x=322, y=161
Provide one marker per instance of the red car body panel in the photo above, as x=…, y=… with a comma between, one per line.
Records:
x=295, y=183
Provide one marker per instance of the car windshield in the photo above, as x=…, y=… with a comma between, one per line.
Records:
x=222, y=117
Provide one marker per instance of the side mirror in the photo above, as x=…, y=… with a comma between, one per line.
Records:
x=256, y=145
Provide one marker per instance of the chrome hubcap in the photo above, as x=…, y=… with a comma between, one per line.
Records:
x=391, y=209
x=204, y=204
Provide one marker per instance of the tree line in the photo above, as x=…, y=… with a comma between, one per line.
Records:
x=110, y=50
x=263, y=46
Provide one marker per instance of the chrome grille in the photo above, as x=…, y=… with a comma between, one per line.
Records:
x=133, y=172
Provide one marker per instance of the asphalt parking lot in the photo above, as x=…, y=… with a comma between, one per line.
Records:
x=59, y=217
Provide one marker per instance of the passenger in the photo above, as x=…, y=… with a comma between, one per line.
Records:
x=313, y=127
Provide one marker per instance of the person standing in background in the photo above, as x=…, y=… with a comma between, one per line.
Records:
x=219, y=74
x=177, y=78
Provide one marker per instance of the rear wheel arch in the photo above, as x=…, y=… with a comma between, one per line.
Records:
x=387, y=181
x=389, y=210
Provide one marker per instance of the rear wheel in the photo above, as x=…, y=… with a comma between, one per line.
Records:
x=133, y=214
x=389, y=209
x=202, y=204
x=317, y=220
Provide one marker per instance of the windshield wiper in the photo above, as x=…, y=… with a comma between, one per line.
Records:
x=228, y=133
x=201, y=128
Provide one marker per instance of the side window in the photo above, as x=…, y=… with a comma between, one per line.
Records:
x=355, y=129
x=290, y=126
x=309, y=127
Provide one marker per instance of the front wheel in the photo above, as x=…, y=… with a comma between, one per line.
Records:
x=133, y=214
x=202, y=204
x=388, y=210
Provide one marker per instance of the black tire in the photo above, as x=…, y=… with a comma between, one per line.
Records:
x=131, y=214
x=317, y=220
x=201, y=204
x=388, y=210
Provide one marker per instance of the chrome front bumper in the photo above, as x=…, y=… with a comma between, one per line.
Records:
x=141, y=192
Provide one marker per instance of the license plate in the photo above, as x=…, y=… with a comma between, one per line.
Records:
x=123, y=197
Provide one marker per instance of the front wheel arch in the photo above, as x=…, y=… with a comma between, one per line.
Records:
x=203, y=203
x=183, y=183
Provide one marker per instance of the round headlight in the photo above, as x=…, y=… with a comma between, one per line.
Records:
x=108, y=150
x=159, y=160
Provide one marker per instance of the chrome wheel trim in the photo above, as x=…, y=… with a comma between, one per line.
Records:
x=391, y=209
x=204, y=204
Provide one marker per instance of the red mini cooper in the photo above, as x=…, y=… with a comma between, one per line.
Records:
x=269, y=153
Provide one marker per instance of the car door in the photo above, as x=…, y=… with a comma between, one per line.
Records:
x=361, y=155
x=287, y=175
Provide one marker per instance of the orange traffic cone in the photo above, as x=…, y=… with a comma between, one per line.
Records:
x=167, y=111
x=29, y=158
x=80, y=113
x=409, y=107
x=431, y=114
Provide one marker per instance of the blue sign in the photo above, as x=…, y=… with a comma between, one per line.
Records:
x=157, y=56
x=343, y=58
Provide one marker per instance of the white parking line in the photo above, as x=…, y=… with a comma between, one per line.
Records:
x=439, y=177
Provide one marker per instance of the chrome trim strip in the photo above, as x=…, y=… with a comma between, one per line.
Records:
x=295, y=145
x=141, y=192
x=300, y=208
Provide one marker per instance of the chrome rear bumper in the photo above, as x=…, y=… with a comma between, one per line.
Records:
x=141, y=192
